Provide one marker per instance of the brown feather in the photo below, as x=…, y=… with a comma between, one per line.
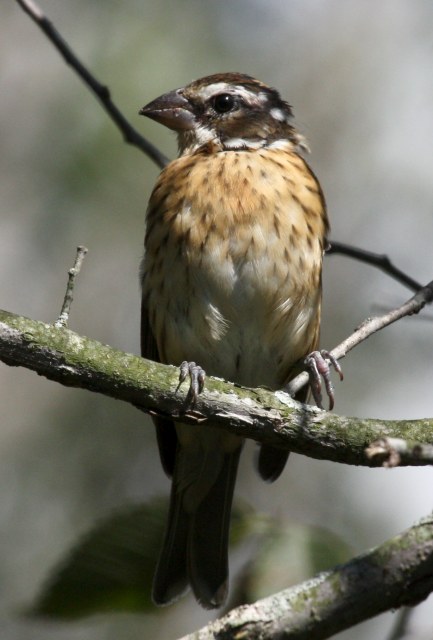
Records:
x=231, y=278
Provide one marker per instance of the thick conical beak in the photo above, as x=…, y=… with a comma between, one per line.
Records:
x=172, y=110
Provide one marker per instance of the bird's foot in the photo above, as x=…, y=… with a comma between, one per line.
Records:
x=197, y=376
x=319, y=364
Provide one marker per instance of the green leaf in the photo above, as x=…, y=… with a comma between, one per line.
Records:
x=111, y=568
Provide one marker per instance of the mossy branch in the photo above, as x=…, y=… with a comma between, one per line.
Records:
x=272, y=417
x=397, y=573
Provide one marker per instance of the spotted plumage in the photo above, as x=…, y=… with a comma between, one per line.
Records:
x=231, y=279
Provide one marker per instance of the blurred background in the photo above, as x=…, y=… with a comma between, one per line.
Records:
x=359, y=76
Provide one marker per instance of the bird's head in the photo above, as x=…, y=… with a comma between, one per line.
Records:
x=231, y=109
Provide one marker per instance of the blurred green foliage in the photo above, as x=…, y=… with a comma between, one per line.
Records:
x=359, y=78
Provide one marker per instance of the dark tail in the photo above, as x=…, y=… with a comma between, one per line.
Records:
x=271, y=462
x=195, y=548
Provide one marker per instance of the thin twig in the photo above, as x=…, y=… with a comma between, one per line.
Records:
x=376, y=259
x=367, y=328
x=62, y=320
x=130, y=134
x=381, y=308
x=133, y=137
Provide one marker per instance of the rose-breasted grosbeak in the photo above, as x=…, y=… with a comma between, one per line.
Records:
x=231, y=278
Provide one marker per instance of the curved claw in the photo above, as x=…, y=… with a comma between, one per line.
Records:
x=197, y=376
x=318, y=369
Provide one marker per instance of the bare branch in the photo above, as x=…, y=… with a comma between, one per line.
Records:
x=134, y=138
x=63, y=319
x=368, y=328
x=397, y=573
x=376, y=259
x=259, y=414
x=130, y=135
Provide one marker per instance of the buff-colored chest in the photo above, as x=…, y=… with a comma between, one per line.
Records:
x=233, y=260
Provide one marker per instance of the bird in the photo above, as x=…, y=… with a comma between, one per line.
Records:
x=231, y=278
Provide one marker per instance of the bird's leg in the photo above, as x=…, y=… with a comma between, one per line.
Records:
x=197, y=377
x=318, y=367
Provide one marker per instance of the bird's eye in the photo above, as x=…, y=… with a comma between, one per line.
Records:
x=223, y=102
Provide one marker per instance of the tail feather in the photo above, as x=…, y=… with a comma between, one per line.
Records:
x=271, y=462
x=195, y=547
x=208, y=537
x=171, y=578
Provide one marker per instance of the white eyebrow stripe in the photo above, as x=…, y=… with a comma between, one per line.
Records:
x=217, y=87
x=224, y=87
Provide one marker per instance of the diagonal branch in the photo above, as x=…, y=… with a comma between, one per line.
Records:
x=259, y=414
x=369, y=327
x=397, y=573
x=379, y=260
x=131, y=135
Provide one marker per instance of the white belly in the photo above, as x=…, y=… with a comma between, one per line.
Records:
x=244, y=320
